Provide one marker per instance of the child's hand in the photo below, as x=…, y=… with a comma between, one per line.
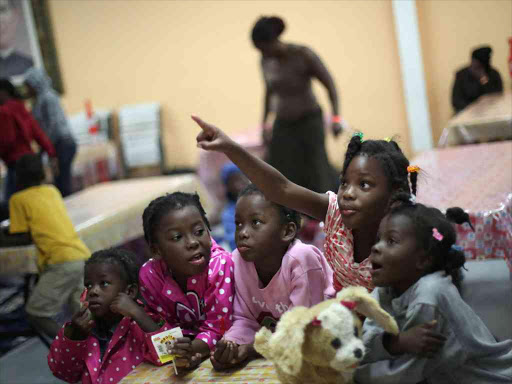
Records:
x=228, y=354
x=185, y=354
x=211, y=138
x=81, y=324
x=420, y=340
x=125, y=305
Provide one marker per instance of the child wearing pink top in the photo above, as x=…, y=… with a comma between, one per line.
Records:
x=273, y=273
x=111, y=334
x=190, y=280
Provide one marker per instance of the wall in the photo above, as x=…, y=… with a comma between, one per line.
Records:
x=449, y=31
x=196, y=57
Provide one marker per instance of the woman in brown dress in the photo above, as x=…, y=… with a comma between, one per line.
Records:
x=296, y=142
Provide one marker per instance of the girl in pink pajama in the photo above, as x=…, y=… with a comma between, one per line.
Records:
x=190, y=279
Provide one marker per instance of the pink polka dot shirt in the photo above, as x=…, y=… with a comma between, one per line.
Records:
x=72, y=360
x=204, y=311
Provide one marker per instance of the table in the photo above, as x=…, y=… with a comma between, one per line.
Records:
x=477, y=178
x=487, y=119
x=106, y=215
x=256, y=371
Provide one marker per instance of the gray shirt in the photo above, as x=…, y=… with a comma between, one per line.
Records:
x=470, y=354
x=47, y=109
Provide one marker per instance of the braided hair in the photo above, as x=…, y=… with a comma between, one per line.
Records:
x=445, y=255
x=391, y=158
x=159, y=207
x=123, y=258
x=287, y=215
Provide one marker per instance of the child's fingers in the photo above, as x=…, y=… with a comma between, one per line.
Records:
x=436, y=336
x=204, y=125
x=219, y=349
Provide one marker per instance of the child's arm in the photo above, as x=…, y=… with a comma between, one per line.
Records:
x=126, y=306
x=379, y=366
x=66, y=358
x=269, y=180
x=420, y=340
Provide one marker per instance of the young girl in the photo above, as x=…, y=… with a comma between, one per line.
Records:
x=111, y=334
x=190, y=280
x=372, y=171
x=416, y=266
x=274, y=272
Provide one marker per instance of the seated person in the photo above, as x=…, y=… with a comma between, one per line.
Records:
x=235, y=181
x=274, y=272
x=476, y=80
x=111, y=334
x=37, y=213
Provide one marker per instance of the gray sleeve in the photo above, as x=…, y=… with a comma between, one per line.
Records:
x=55, y=121
x=381, y=367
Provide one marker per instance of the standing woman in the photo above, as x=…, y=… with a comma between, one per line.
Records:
x=297, y=144
x=18, y=131
x=50, y=115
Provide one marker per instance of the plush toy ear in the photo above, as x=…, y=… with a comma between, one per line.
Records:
x=369, y=307
x=286, y=342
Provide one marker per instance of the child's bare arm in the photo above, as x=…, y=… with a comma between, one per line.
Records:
x=126, y=306
x=420, y=340
x=269, y=180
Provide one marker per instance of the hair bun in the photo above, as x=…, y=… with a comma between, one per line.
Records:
x=458, y=216
x=456, y=259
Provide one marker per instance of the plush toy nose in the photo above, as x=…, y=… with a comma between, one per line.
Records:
x=358, y=353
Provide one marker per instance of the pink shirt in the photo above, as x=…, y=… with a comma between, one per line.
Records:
x=205, y=311
x=72, y=360
x=304, y=279
x=339, y=251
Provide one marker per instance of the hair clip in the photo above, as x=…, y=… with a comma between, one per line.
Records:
x=436, y=234
x=413, y=169
x=388, y=139
x=315, y=322
x=349, y=304
x=456, y=247
x=360, y=134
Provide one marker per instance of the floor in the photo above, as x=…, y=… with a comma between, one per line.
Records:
x=27, y=364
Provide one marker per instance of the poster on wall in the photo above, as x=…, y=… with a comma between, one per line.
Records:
x=26, y=40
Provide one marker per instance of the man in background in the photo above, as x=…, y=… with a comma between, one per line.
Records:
x=476, y=80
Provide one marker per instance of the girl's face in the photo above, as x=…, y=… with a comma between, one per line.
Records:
x=103, y=282
x=363, y=194
x=183, y=241
x=260, y=232
x=397, y=259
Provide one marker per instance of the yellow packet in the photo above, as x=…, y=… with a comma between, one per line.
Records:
x=164, y=342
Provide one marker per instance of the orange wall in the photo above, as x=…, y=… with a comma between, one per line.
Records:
x=196, y=57
x=449, y=31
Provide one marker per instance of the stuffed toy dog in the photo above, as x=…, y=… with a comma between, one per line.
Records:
x=321, y=344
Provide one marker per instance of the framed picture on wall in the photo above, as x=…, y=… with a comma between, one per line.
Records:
x=26, y=40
